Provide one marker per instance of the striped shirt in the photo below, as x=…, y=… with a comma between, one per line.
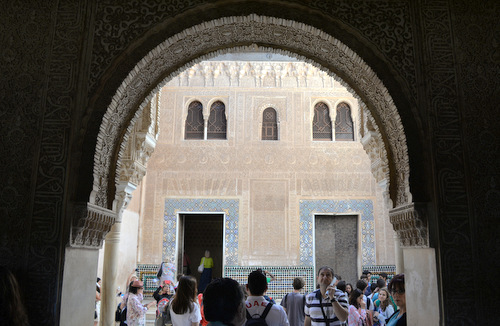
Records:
x=316, y=305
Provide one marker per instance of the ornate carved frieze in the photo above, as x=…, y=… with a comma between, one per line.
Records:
x=410, y=223
x=232, y=30
x=90, y=225
x=255, y=74
x=139, y=146
x=375, y=147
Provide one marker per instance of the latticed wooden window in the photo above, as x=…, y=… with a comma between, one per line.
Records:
x=344, y=130
x=194, y=121
x=269, y=124
x=322, y=124
x=217, y=124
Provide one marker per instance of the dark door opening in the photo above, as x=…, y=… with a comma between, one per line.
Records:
x=336, y=244
x=197, y=233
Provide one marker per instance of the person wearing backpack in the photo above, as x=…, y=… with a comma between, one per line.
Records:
x=259, y=310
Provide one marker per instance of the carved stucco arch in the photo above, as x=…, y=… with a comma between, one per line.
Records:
x=287, y=37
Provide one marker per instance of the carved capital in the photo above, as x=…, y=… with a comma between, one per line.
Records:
x=90, y=225
x=410, y=223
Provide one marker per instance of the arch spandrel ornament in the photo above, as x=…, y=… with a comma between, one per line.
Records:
x=215, y=37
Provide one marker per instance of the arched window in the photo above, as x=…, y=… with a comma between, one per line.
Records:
x=343, y=123
x=194, y=121
x=322, y=124
x=217, y=123
x=269, y=124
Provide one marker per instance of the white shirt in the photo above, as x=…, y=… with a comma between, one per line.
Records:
x=276, y=316
x=187, y=318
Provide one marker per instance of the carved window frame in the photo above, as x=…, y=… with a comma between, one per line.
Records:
x=270, y=123
x=344, y=123
x=217, y=121
x=322, y=129
x=194, y=121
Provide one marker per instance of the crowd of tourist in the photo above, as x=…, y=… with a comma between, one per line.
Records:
x=226, y=302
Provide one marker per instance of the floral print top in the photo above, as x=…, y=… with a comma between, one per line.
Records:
x=136, y=312
x=356, y=316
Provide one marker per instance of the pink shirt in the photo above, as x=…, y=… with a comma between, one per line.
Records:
x=356, y=316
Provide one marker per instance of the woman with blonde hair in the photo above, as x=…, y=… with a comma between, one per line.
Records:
x=184, y=309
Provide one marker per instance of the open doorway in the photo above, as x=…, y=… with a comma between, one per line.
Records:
x=197, y=233
x=336, y=244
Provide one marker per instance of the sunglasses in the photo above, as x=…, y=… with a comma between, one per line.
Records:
x=398, y=291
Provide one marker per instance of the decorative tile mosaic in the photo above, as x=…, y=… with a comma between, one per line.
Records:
x=230, y=209
x=284, y=275
x=308, y=208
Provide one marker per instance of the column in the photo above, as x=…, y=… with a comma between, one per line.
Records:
x=109, y=276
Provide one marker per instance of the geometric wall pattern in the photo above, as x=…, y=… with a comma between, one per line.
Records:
x=228, y=207
x=308, y=208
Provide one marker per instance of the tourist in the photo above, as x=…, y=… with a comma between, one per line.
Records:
x=397, y=289
x=97, y=312
x=185, y=310
x=323, y=309
x=136, y=311
x=163, y=291
x=362, y=286
x=206, y=272
x=357, y=309
x=224, y=303
x=13, y=312
x=383, y=276
x=384, y=308
x=341, y=285
x=348, y=289
x=257, y=306
x=294, y=303
x=368, y=280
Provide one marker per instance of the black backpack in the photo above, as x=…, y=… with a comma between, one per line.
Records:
x=121, y=315
x=259, y=321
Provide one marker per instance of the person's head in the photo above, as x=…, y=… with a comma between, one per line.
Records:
x=361, y=285
x=397, y=289
x=13, y=311
x=364, y=277
x=325, y=276
x=257, y=283
x=207, y=253
x=383, y=296
x=381, y=283
x=341, y=286
x=373, y=286
x=355, y=298
x=165, y=288
x=368, y=274
x=223, y=301
x=136, y=287
x=99, y=281
x=185, y=295
x=348, y=288
x=383, y=275
x=298, y=283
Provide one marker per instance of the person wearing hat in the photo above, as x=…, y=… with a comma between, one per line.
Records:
x=136, y=311
x=163, y=291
